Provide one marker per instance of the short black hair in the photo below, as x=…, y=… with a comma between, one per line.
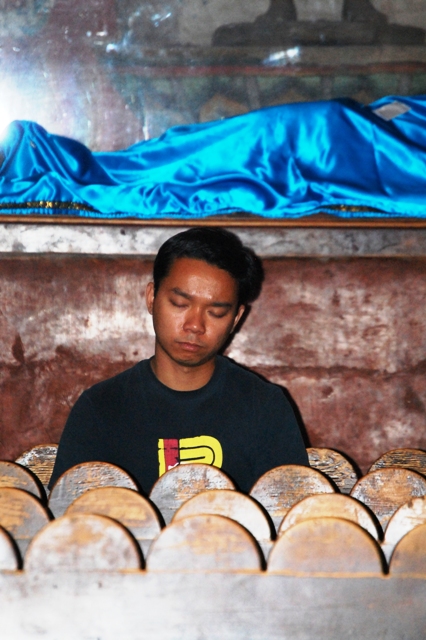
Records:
x=218, y=247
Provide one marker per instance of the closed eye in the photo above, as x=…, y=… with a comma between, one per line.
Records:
x=179, y=305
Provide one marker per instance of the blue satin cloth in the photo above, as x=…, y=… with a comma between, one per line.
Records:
x=286, y=161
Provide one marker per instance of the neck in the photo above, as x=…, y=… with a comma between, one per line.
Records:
x=179, y=377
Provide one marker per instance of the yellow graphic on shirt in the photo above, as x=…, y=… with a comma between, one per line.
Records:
x=172, y=452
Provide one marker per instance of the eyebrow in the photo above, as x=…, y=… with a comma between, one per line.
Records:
x=187, y=296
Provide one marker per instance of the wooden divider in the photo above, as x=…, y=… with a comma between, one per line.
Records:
x=204, y=543
x=82, y=579
x=334, y=505
x=22, y=515
x=9, y=560
x=216, y=606
x=179, y=484
x=14, y=475
x=82, y=543
x=126, y=506
x=334, y=465
x=83, y=477
x=327, y=546
x=40, y=459
x=280, y=488
x=385, y=490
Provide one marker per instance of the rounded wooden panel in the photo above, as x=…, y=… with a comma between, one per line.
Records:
x=82, y=542
x=231, y=504
x=40, y=460
x=385, y=490
x=334, y=505
x=280, y=488
x=22, y=515
x=414, y=459
x=125, y=505
x=204, y=543
x=83, y=477
x=9, y=560
x=409, y=555
x=13, y=475
x=334, y=465
x=326, y=546
x=406, y=518
x=179, y=484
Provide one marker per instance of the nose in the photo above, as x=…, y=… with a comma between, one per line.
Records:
x=194, y=321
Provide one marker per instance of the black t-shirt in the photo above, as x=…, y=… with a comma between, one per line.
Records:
x=237, y=421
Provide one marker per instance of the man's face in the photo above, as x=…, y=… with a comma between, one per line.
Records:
x=194, y=311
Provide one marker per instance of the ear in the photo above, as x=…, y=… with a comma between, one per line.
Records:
x=237, y=318
x=149, y=296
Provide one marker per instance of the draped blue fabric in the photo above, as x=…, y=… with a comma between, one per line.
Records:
x=286, y=161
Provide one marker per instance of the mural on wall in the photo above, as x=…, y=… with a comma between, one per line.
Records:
x=109, y=73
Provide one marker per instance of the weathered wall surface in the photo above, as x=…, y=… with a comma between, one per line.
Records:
x=347, y=338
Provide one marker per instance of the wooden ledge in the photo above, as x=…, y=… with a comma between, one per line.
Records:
x=317, y=220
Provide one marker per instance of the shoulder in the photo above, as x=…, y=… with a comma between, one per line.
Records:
x=239, y=376
x=117, y=385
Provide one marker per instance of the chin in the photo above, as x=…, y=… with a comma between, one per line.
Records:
x=194, y=361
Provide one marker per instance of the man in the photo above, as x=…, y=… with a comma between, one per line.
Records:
x=187, y=403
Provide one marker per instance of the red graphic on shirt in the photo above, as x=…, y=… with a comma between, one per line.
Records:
x=171, y=452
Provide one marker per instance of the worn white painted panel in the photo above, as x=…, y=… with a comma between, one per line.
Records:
x=143, y=240
x=143, y=606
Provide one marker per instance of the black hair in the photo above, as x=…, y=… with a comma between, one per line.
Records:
x=217, y=247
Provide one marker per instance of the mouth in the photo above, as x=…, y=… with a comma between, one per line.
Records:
x=189, y=346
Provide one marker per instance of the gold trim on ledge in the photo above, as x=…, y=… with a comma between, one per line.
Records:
x=47, y=204
x=238, y=219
